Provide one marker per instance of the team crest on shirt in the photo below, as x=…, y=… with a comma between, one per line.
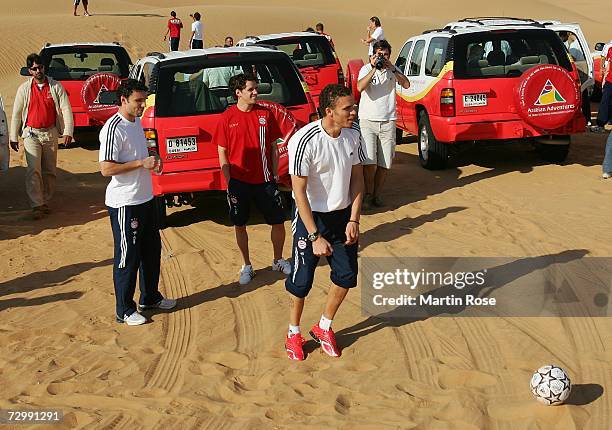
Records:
x=134, y=223
x=262, y=120
x=301, y=244
x=234, y=200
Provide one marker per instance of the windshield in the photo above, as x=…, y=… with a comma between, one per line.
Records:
x=78, y=63
x=196, y=89
x=499, y=54
x=306, y=51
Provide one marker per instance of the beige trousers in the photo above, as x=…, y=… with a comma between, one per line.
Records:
x=41, y=157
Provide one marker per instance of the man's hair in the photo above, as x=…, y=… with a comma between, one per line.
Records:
x=173, y=14
x=33, y=58
x=128, y=86
x=238, y=82
x=376, y=21
x=330, y=94
x=310, y=30
x=197, y=16
x=381, y=44
x=319, y=26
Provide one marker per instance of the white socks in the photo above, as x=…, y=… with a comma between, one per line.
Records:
x=293, y=329
x=325, y=323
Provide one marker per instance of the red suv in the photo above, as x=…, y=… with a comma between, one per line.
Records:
x=489, y=79
x=188, y=91
x=85, y=69
x=312, y=53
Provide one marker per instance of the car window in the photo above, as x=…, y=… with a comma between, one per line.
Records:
x=195, y=89
x=305, y=51
x=400, y=63
x=74, y=63
x=572, y=44
x=436, y=56
x=416, y=58
x=506, y=54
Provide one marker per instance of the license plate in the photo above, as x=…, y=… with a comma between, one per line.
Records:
x=181, y=144
x=474, y=100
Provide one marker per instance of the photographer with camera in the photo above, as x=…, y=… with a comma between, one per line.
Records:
x=376, y=82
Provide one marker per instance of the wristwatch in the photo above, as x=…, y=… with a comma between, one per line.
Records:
x=313, y=236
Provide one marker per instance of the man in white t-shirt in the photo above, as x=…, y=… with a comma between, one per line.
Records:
x=375, y=33
x=325, y=165
x=377, y=115
x=197, y=32
x=131, y=206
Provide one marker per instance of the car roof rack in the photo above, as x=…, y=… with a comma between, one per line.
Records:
x=480, y=19
x=434, y=30
x=156, y=54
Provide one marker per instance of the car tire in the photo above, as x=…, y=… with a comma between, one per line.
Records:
x=433, y=154
x=160, y=205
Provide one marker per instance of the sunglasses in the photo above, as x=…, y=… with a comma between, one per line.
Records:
x=37, y=68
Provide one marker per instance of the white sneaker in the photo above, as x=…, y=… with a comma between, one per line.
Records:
x=246, y=274
x=134, y=319
x=281, y=265
x=606, y=175
x=162, y=304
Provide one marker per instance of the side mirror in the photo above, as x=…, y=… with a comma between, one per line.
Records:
x=599, y=46
x=24, y=71
x=108, y=98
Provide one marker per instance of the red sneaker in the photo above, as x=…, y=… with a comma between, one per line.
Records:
x=327, y=340
x=293, y=346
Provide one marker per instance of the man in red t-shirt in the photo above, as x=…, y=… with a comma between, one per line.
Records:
x=174, y=28
x=605, y=106
x=246, y=138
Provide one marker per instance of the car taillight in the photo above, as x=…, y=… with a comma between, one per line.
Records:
x=447, y=102
x=151, y=137
x=340, y=77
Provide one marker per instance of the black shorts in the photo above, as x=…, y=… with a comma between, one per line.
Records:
x=174, y=43
x=197, y=44
x=266, y=196
x=343, y=260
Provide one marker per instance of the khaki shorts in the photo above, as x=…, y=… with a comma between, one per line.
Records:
x=379, y=139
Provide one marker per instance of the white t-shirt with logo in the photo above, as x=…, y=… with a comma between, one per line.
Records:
x=377, y=34
x=198, y=28
x=327, y=162
x=377, y=101
x=122, y=141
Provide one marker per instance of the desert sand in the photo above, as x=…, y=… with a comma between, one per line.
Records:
x=218, y=361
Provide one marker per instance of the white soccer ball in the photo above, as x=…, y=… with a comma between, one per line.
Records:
x=550, y=385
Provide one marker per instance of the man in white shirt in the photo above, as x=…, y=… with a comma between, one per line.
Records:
x=197, y=32
x=131, y=206
x=375, y=33
x=325, y=165
x=377, y=115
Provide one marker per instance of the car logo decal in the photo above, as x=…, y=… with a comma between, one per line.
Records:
x=549, y=95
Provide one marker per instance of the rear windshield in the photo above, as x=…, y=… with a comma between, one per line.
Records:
x=501, y=54
x=196, y=89
x=79, y=63
x=306, y=51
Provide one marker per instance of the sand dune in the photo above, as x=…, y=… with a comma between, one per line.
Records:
x=218, y=361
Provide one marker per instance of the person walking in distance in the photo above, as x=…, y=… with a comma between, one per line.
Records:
x=41, y=113
x=246, y=139
x=374, y=34
x=197, y=32
x=325, y=159
x=319, y=29
x=174, y=28
x=229, y=42
x=85, y=4
x=131, y=207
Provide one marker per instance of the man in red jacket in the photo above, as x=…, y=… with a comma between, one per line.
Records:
x=174, y=28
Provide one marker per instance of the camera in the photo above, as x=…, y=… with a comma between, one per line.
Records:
x=380, y=62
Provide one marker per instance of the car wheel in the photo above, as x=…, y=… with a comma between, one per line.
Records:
x=160, y=205
x=433, y=154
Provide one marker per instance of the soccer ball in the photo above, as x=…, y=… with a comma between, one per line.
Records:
x=550, y=385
